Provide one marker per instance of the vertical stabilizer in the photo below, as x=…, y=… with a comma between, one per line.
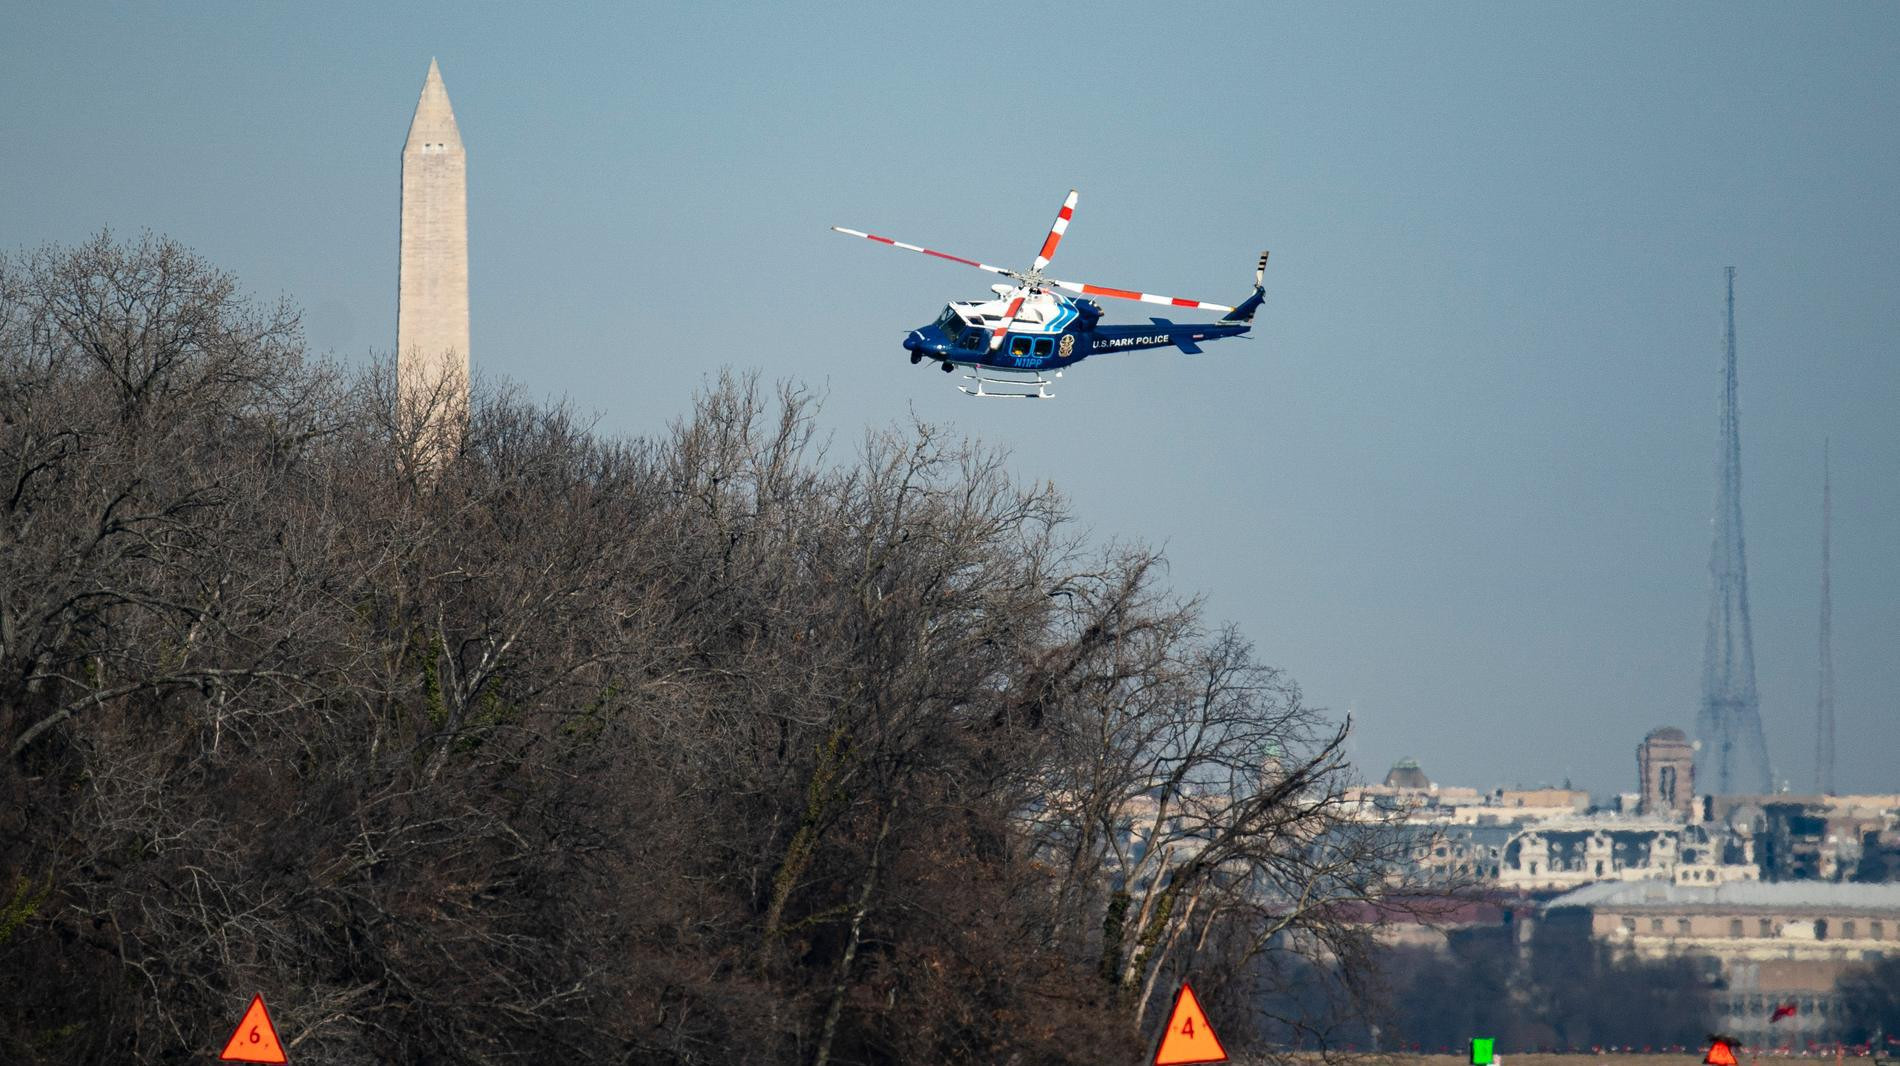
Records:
x=1244, y=311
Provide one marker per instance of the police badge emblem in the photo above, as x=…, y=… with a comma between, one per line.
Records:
x=1067, y=346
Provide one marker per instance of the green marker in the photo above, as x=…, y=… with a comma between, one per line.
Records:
x=1481, y=1050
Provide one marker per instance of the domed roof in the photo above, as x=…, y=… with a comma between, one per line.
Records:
x=1667, y=732
x=1406, y=774
x=1747, y=820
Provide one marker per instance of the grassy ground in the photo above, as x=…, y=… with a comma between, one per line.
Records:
x=1587, y=1059
x=1606, y=1059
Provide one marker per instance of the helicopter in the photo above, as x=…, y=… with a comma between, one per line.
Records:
x=1030, y=330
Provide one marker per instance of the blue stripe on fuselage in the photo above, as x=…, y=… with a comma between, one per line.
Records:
x=1135, y=338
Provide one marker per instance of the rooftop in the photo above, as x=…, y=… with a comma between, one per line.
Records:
x=1406, y=774
x=1812, y=894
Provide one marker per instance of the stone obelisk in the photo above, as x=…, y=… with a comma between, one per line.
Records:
x=432, y=292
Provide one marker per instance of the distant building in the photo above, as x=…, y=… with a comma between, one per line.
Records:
x=1542, y=802
x=1459, y=853
x=1665, y=772
x=1547, y=840
x=1769, y=944
x=1569, y=853
x=1819, y=838
x=1408, y=791
x=1437, y=923
x=1406, y=774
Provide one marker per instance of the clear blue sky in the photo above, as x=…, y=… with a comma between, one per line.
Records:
x=1460, y=482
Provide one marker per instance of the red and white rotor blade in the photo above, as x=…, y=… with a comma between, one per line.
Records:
x=1129, y=294
x=1009, y=319
x=1056, y=231
x=914, y=248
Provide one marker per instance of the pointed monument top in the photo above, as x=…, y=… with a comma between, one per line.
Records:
x=434, y=123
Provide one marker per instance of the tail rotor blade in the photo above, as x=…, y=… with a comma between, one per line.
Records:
x=1130, y=294
x=1055, y=232
x=914, y=248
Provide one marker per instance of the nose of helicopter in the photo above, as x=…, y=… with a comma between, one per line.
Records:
x=914, y=342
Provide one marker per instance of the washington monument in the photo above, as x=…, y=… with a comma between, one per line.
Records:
x=432, y=291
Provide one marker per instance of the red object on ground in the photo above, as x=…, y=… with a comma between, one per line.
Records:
x=1188, y=1037
x=255, y=1039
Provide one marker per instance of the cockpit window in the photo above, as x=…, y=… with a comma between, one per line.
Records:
x=949, y=322
x=972, y=340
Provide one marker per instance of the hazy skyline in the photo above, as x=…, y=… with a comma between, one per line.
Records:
x=1460, y=482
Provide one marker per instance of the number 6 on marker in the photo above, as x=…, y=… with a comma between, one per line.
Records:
x=255, y=1038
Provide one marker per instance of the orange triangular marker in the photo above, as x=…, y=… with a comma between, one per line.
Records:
x=255, y=1039
x=1720, y=1054
x=1188, y=1037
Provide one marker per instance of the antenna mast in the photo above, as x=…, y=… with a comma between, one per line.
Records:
x=1824, y=705
x=1734, y=756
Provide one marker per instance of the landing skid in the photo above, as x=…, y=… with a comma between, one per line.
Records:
x=1014, y=384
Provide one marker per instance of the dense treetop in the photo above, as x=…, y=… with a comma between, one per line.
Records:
x=701, y=747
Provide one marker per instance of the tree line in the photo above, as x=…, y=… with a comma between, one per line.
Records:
x=1555, y=988
x=710, y=745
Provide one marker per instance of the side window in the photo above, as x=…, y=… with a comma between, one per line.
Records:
x=972, y=340
x=1019, y=346
x=1044, y=346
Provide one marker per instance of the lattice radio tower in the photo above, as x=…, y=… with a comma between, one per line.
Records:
x=1732, y=757
x=1824, y=704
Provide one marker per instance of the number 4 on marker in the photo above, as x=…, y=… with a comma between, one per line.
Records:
x=1187, y=1036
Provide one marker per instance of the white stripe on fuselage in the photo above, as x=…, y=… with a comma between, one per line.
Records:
x=1056, y=311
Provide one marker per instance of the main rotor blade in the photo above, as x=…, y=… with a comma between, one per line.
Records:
x=1055, y=232
x=1126, y=294
x=1009, y=319
x=914, y=248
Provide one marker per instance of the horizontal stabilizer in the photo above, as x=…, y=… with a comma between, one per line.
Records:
x=1187, y=345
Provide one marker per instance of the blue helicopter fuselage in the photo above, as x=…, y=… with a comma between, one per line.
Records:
x=1059, y=333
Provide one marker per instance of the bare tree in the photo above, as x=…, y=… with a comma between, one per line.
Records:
x=534, y=743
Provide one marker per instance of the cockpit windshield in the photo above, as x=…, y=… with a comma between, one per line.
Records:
x=949, y=322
